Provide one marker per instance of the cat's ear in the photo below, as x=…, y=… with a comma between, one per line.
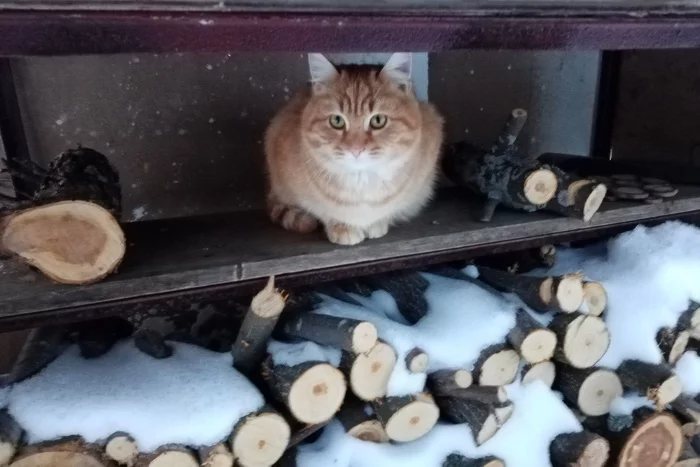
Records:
x=398, y=69
x=321, y=69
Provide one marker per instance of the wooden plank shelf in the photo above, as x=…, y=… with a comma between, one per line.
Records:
x=110, y=27
x=170, y=262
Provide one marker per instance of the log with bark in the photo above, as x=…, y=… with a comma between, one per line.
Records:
x=458, y=460
x=656, y=382
x=582, y=340
x=501, y=174
x=488, y=395
x=313, y=391
x=543, y=371
x=595, y=298
x=359, y=421
x=255, y=331
x=563, y=294
x=407, y=289
x=445, y=382
x=497, y=365
x=534, y=342
x=218, y=455
x=260, y=438
x=64, y=452
x=672, y=342
x=368, y=373
x=342, y=333
x=686, y=409
x=576, y=197
x=122, y=449
x=10, y=435
x=581, y=449
x=171, y=455
x=652, y=439
x=417, y=360
x=406, y=418
x=69, y=230
x=97, y=337
x=484, y=420
x=591, y=390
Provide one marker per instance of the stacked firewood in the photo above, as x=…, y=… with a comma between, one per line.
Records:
x=558, y=338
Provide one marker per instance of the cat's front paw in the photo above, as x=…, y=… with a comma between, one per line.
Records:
x=377, y=230
x=343, y=234
x=292, y=218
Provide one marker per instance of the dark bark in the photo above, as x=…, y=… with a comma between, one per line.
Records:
x=446, y=382
x=582, y=448
x=341, y=333
x=527, y=327
x=672, y=342
x=152, y=343
x=656, y=382
x=407, y=289
x=576, y=197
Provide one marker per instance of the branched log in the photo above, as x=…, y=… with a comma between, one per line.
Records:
x=256, y=329
x=347, y=334
x=656, y=382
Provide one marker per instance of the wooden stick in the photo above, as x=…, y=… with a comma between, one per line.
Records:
x=458, y=460
x=369, y=373
x=260, y=438
x=511, y=130
x=406, y=418
x=313, y=391
x=543, y=371
x=582, y=449
x=445, y=382
x=656, y=382
x=591, y=390
x=534, y=342
x=582, y=340
x=417, y=361
x=348, y=334
x=10, y=435
x=257, y=327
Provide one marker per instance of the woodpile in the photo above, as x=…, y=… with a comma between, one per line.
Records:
x=69, y=229
x=561, y=350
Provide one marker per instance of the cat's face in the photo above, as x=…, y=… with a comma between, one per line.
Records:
x=361, y=118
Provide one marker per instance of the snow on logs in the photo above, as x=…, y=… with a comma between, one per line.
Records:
x=69, y=230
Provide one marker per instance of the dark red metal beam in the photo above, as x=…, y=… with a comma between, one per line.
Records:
x=93, y=32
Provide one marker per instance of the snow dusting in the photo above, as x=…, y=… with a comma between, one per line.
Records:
x=193, y=404
x=293, y=354
x=688, y=370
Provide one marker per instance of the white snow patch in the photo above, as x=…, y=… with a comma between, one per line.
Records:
x=538, y=417
x=139, y=213
x=287, y=354
x=463, y=319
x=629, y=403
x=688, y=370
x=206, y=22
x=471, y=270
x=4, y=396
x=649, y=275
x=185, y=399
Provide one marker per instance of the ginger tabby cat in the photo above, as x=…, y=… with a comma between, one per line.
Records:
x=356, y=151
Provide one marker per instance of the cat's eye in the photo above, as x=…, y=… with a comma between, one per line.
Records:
x=378, y=121
x=337, y=121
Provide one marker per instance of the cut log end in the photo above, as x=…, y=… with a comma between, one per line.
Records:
x=463, y=378
x=261, y=440
x=364, y=337
x=269, y=302
x=7, y=452
x=370, y=430
x=317, y=394
x=598, y=391
x=216, y=456
x=667, y=392
x=655, y=442
x=581, y=449
x=369, y=373
x=174, y=459
x=500, y=368
x=585, y=341
x=540, y=186
x=595, y=298
x=543, y=371
x=417, y=361
x=593, y=201
x=538, y=346
x=412, y=421
x=59, y=459
x=72, y=242
x=569, y=293
x=122, y=449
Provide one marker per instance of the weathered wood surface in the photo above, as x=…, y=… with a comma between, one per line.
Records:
x=184, y=256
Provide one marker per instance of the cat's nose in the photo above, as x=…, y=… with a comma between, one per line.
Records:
x=356, y=151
